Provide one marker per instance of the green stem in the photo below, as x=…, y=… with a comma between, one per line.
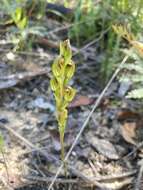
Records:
x=63, y=152
x=62, y=146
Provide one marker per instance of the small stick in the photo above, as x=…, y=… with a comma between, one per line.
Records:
x=49, y=179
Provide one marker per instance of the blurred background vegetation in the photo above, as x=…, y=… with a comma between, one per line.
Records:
x=90, y=20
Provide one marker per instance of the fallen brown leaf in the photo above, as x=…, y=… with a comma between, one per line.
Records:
x=128, y=131
x=132, y=126
x=81, y=101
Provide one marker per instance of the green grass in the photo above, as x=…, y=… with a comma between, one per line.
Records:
x=98, y=18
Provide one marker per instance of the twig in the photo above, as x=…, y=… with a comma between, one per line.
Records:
x=88, y=118
x=49, y=179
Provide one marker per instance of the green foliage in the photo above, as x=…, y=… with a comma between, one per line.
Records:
x=123, y=32
x=63, y=69
x=121, y=11
x=134, y=73
x=17, y=13
x=84, y=24
x=36, y=8
x=92, y=20
x=134, y=69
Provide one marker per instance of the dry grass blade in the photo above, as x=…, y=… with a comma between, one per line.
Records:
x=49, y=179
x=88, y=118
x=139, y=177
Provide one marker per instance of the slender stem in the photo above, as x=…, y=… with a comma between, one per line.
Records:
x=62, y=146
x=63, y=152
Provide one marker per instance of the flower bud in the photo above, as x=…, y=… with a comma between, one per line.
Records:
x=69, y=94
x=69, y=70
x=65, y=49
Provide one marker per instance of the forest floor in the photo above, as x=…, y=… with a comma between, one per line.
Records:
x=108, y=154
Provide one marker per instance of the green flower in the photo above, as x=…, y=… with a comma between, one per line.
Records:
x=69, y=94
x=57, y=68
x=54, y=84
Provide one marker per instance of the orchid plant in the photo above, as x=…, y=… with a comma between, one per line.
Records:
x=63, y=69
